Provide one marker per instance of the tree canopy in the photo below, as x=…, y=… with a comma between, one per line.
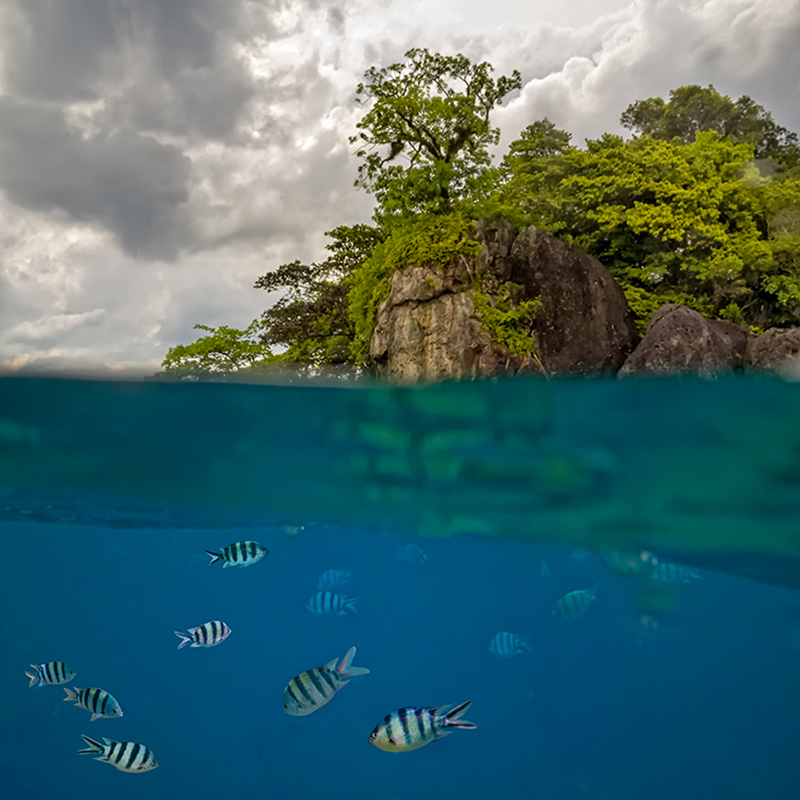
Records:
x=432, y=110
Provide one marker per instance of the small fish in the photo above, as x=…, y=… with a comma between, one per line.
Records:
x=238, y=554
x=667, y=572
x=508, y=645
x=49, y=674
x=208, y=634
x=574, y=605
x=98, y=701
x=333, y=579
x=544, y=570
x=411, y=552
x=125, y=756
x=293, y=530
x=311, y=690
x=410, y=728
x=330, y=603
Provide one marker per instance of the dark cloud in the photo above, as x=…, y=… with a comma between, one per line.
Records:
x=133, y=185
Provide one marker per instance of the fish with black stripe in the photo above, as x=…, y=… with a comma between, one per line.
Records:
x=238, y=554
x=209, y=634
x=311, y=690
x=508, y=645
x=125, y=756
x=333, y=579
x=98, y=701
x=410, y=728
x=330, y=604
x=573, y=605
x=50, y=674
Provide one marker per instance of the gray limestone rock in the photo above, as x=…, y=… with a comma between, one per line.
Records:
x=428, y=328
x=776, y=350
x=680, y=340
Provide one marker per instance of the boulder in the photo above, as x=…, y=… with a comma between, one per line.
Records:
x=776, y=350
x=428, y=329
x=680, y=340
x=586, y=325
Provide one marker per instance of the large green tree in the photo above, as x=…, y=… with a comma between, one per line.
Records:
x=694, y=223
x=432, y=113
x=693, y=109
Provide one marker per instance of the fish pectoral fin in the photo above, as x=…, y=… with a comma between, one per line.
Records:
x=94, y=716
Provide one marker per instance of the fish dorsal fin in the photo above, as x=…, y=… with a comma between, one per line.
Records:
x=331, y=665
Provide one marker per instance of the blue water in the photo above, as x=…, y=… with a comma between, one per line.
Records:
x=517, y=492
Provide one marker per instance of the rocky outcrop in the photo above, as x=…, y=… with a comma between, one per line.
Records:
x=428, y=328
x=776, y=350
x=679, y=340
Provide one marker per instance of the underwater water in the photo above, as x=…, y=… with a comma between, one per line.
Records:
x=460, y=511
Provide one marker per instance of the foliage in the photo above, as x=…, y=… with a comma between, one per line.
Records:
x=433, y=240
x=509, y=323
x=311, y=321
x=690, y=223
x=223, y=351
x=433, y=110
x=692, y=109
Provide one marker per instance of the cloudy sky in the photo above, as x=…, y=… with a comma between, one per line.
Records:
x=157, y=156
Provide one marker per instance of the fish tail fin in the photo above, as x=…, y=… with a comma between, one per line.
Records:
x=350, y=604
x=214, y=557
x=346, y=671
x=452, y=718
x=594, y=590
x=93, y=748
x=70, y=694
x=184, y=637
x=34, y=676
x=525, y=643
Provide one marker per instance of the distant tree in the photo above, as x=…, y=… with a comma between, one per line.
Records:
x=222, y=352
x=432, y=110
x=311, y=322
x=692, y=109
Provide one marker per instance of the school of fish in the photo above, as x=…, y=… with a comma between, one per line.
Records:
x=402, y=729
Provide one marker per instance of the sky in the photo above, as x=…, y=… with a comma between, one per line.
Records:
x=158, y=156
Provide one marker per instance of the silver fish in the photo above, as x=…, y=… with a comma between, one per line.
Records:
x=209, y=634
x=410, y=728
x=574, y=605
x=98, y=701
x=50, y=673
x=238, y=554
x=328, y=603
x=125, y=756
x=311, y=690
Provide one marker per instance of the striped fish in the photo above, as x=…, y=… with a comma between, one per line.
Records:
x=508, y=645
x=410, y=728
x=238, y=554
x=125, y=756
x=209, y=634
x=333, y=579
x=311, y=690
x=411, y=552
x=329, y=603
x=574, y=605
x=53, y=672
x=98, y=701
x=667, y=572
